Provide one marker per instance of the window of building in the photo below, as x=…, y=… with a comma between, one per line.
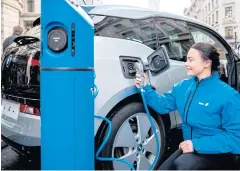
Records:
x=229, y=32
x=119, y=26
x=216, y=2
x=205, y=10
x=212, y=4
x=30, y=5
x=216, y=16
x=209, y=7
x=131, y=35
x=209, y=20
x=228, y=12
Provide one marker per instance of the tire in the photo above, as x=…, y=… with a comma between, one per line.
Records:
x=132, y=112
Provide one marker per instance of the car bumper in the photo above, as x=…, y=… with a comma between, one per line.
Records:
x=25, y=131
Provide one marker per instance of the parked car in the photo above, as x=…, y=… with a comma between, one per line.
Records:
x=123, y=35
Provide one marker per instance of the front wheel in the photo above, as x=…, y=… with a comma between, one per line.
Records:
x=132, y=139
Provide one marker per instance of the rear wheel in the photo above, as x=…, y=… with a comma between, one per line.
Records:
x=132, y=139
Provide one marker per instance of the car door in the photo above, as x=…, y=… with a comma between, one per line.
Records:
x=177, y=39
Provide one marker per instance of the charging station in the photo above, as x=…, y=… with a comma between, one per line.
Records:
x=67, y=79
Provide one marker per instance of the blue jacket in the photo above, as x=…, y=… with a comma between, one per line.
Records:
x=210, y=112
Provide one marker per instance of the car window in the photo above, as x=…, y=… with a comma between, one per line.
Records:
x=139, y=30
x=200, y=35
x=153, y=32
x=175, y=35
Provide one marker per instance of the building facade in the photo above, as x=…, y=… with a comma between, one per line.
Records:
x=10, y=16
x=222, y=15
x=31, y=11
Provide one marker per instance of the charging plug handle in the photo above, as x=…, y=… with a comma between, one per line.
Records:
x=140, y=71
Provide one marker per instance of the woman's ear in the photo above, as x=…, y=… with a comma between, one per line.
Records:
x=208, y=64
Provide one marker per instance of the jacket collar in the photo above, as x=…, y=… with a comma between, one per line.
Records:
x=214, y=76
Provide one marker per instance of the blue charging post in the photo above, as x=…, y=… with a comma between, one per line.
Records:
x=67, y=78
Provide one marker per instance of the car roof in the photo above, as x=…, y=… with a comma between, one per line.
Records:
x=137, y=13
x=132, y=12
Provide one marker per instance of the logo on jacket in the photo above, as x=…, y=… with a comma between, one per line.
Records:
x=9, y=60
x=203, y=104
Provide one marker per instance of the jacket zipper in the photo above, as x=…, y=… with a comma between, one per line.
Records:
x=186, y=103
x=190, y=105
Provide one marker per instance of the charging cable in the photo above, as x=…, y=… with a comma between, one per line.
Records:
x=140, y=70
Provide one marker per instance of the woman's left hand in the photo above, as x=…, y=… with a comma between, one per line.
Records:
x=186, y=146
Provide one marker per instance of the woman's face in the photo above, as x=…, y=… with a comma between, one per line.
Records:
x=195, y=63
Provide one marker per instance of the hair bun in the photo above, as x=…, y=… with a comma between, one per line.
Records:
x=214, y=57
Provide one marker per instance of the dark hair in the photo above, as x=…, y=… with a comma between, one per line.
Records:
x=208, y=52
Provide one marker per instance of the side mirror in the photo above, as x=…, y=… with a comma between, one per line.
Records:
x=158, y=60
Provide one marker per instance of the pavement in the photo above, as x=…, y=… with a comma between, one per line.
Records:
x=13, y=161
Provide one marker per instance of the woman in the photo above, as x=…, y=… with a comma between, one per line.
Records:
x=210, y=112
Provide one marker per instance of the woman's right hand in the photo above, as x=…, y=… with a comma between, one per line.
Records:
x=138, y=80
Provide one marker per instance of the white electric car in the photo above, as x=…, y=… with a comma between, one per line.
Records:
x=123, y=35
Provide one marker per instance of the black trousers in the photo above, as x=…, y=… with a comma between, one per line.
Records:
x=195, y=161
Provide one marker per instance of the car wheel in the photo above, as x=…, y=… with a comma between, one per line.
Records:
x=132, y=139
